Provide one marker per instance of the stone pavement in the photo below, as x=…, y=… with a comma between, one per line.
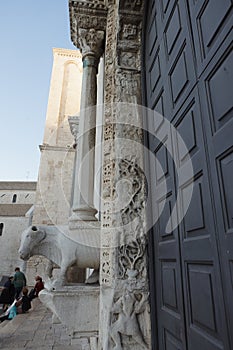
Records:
x=34, y=330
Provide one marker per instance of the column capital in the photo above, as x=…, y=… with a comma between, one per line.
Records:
x=91, y=43
x=88, y=25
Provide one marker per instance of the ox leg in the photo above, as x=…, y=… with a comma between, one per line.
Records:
x=49, y=269
x=61, y=280
x=93, y=278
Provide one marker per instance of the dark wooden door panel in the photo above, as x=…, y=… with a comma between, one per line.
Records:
x=216, y=91
x=188, y=79
x=211, y=21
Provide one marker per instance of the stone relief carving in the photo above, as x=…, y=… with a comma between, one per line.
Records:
x=125, y=313
x=88, y=22
x=74, y=128
x=133, y=5
x=131, y=185
x=127, y=84
x=131, y=259
x=128, y=59
x=90, y=42
x=87, y=15
x=129, y=31
x=123, y=255
x=89, y=4
x=105, y=266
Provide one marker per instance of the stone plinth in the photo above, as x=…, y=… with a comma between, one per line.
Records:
x=77, y=307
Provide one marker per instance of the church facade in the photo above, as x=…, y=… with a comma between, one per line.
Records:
x=166, y=254
x=137, y=156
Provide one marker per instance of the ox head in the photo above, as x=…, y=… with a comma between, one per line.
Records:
x=30, y=238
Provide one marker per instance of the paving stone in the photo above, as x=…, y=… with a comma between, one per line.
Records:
x=47, y=347
x=35, y=331
x=69, y=347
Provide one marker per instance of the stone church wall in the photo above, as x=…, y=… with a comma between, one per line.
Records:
x=16, y=209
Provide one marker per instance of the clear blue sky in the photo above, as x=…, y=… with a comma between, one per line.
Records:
x=29, y=30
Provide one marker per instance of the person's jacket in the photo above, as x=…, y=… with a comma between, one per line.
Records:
x=19, y=279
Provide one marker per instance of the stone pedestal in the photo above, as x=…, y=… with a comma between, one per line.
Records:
x=77, y=307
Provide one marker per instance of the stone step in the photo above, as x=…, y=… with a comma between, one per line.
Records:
x=10, y=326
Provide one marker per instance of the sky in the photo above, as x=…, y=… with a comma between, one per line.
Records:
x=29, y=30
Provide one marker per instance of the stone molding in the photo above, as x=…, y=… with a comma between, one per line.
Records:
x=18, y=185
x=67, y=52
x=45, y=147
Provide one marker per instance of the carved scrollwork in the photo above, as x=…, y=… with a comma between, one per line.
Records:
x=131, y=259
x=130, y=183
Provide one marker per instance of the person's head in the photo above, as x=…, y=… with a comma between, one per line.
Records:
x=38, y=278
x=17, y=269
x=25, y=291
x=11, y=278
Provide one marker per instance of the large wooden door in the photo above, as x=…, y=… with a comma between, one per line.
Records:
x=188, y=79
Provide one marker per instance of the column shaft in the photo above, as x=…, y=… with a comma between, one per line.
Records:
x=83, y=200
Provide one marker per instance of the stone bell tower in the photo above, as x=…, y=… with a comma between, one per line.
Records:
x=52, y=205
x=54, y=187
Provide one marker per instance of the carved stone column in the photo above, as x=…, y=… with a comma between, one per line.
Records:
x=124, y=290
x=89, y=37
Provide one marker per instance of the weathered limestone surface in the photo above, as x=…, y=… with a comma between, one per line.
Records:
x=14, y=217
x=124, y=304
x=52, y=205
x=53, y=195
x=79, y=306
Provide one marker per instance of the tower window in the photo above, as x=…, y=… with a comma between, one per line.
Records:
x=1, y=228
x=14, y=198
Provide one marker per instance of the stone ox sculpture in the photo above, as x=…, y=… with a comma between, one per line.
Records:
x=50, y=242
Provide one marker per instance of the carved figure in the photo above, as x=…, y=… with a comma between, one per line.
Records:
x=127, y=307
x=61, y=250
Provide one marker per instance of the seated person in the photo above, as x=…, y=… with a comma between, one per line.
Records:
x=10, y=313
x=8, y=292
x=37, y=288
x=24, y=301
